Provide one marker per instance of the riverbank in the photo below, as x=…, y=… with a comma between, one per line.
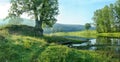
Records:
x=109, y=34
x=18, y=44
x=87, y=34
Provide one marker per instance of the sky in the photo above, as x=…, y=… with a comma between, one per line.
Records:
x=70, y=11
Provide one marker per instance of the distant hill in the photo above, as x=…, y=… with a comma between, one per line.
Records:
x=2, y=22
x=66, y=28
x=56, y=27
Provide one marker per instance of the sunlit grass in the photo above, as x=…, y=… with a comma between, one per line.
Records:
x=24, y=48
x=109, y=34
x=65, y=54
x=86, y=34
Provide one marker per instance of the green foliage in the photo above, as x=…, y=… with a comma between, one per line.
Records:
x=107, y=19
x=87, y=26
x=101, y=18
x=44, y=9
x=43, y=12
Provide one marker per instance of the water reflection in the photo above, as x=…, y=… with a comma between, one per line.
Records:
x=100, y=41
x=104, y=44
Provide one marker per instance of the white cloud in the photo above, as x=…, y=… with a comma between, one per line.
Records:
x=4, y=10
x=4, y=1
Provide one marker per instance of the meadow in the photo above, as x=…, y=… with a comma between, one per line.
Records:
x=17, y=45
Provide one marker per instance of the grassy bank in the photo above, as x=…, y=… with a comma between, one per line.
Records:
x=17, y=45
x=87, y=34
x=109, y=34
x=30, y=49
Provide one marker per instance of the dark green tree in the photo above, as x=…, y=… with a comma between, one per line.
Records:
x=87, y=26
x=43, y=12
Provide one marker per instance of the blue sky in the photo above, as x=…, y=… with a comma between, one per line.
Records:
x=71, y=11
x=79, y=11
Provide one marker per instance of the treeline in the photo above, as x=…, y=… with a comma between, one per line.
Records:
x=107, y=19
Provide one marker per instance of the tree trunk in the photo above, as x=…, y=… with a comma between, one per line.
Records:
x=38, y=28
x=38, y=24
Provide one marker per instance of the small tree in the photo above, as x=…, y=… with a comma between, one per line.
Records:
x=87, y=26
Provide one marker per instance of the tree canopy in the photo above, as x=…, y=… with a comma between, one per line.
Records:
x=43, y=11
x=107, y=19
x=87, y=26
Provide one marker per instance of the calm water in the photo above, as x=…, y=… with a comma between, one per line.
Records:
x=109, y=46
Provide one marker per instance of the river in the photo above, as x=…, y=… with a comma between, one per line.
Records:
x=104, y=45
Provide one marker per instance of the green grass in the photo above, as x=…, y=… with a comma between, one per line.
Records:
x=20, y=48
x=30, y=49
x=86, y=34
x=109, y=34
x=17, y=48
x=65, y=54
x=18, y=44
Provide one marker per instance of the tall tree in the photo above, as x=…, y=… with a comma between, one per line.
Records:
x=112, y=18
x=107, y=19
x=117, y=14
x=104, y=19
x=43, y=11
x=97, y=19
